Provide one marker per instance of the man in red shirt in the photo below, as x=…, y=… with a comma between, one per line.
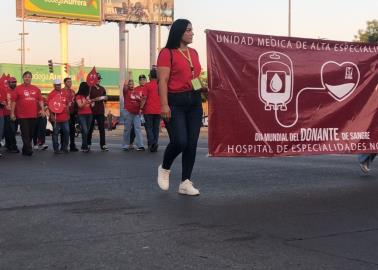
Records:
x=28, y=103
x=73, y=112
x=151, y=111
x=9, y=125
x=57, y=102
x=133, y=100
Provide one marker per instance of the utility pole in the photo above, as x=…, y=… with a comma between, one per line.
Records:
x=152, y=44
x=159, y=28
x=23, y=34
x=122, y=62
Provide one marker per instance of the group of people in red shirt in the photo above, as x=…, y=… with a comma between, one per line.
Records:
x=175, y=96
x=141, y=103
x=7, y=126
x=25, y=106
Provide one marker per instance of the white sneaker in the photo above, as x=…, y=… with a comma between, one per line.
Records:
x=365, y=167
x=36, y=147
x=163, y=178
x=104, y=148
x=43, y=147
x=186, y=188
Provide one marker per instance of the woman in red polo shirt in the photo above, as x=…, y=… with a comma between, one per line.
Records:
x=181, y=106
x=84, y=113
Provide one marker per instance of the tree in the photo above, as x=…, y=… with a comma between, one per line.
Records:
x=370, y=34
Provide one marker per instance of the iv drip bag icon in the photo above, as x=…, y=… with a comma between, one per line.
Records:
x=275, y=80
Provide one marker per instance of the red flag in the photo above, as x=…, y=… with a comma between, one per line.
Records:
x=92, y=78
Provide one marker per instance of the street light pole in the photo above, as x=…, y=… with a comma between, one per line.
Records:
x=127, y=54
x=22, y=49
x=289, y=19
x=159, y=28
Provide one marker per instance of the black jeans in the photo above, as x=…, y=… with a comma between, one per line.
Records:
x=183, y=130
x=39, y=136
x=27, y=126
x=10, y=133
x=100, y=119
x=71, y=124
x=152, y=126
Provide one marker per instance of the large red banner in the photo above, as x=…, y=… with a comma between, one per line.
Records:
x=279, y=96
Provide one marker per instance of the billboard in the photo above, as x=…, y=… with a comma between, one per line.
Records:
x=77, y=10
x=139, y=11
x=282, y=96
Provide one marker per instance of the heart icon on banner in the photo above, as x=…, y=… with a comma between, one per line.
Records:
x=340, y=79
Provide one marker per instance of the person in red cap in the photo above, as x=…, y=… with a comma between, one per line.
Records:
x=57, y=102
x=28, y=103
x=9, y=125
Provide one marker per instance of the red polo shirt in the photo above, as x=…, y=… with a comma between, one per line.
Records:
x=63, y=116
x=151, y=91
x=132, y=99
x=27, y=98
x=71, y=99
x=181, y=75
x=87, y=107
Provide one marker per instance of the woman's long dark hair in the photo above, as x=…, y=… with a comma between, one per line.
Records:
x=83, y=89
x=176, y=32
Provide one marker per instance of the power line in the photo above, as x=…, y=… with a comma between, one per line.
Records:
x=9, y=41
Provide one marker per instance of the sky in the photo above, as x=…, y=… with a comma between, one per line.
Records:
x=98, y=45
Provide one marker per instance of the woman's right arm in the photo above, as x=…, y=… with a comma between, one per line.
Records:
x=80, y=102
x=163, y=78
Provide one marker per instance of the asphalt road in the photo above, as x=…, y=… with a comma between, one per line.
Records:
x=103, y=210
